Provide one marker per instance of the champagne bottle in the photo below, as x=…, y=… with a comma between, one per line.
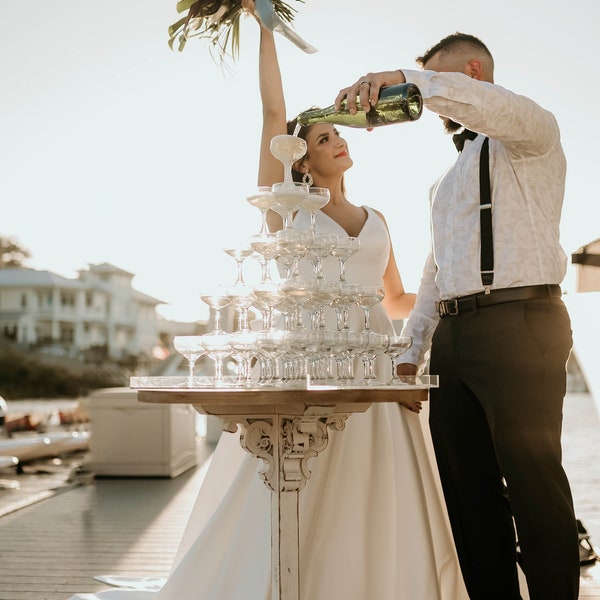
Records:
x=396, y=104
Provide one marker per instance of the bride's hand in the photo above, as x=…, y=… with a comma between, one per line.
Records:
x=249, y=7
x=409, y=369
x=412, y=405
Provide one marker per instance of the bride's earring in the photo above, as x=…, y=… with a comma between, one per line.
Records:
x=307, y=178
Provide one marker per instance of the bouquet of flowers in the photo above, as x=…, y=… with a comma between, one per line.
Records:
x=217, y=21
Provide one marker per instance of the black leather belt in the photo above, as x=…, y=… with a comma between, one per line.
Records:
x=455, y=306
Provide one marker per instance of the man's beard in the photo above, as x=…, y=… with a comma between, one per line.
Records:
x=451, y=126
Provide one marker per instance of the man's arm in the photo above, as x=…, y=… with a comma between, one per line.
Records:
x=423, y=319
x=517, y=121
x=524, y=127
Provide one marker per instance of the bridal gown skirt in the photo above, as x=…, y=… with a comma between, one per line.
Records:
x=372, y=523
x=371, y=518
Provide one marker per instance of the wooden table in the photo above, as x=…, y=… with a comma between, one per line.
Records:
x=284, y=426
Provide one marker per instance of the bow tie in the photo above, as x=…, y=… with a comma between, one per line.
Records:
x=459, y=139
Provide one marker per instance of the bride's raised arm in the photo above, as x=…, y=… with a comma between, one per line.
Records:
x=270, y=170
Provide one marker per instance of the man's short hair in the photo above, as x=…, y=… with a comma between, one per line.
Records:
x=452, y=42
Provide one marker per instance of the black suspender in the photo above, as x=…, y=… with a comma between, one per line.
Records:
x=485, y=218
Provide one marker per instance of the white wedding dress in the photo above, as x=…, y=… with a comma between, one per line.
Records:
x=372, y=520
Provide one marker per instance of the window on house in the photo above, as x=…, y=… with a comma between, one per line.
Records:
x=45, y=299
x=67, y=299
x=67, y=335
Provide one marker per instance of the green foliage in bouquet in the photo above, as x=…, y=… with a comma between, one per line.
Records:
x=217, y=21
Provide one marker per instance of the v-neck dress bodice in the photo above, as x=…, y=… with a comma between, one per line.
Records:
x=368, y=265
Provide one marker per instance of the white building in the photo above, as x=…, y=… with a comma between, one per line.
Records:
x=99, y=309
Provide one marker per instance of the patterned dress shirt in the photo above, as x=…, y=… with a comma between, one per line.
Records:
x=527, y=175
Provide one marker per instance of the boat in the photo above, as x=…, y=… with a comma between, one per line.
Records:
x=7, y=462
x=34, y=447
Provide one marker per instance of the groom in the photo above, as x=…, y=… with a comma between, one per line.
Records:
x=489, y=310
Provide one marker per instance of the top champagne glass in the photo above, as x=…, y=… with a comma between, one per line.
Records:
x=288, y=149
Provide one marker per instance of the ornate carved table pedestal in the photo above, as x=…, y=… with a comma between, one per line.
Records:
x=284, y=427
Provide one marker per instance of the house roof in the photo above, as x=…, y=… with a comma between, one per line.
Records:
x=24, y=277
x=146, y=298
x=108, y=268
x=14, y=277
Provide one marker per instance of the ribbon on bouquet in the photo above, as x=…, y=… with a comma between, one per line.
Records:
x=271, y=19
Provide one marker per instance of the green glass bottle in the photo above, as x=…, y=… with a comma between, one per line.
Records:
x=397, y=104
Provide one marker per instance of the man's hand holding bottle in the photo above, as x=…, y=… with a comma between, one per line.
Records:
x=367, y=88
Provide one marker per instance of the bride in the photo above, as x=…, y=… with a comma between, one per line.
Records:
x=372, y=518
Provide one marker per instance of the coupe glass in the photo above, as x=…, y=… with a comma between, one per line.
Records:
x=299, y=291
x=313, y=361
x=399, y=344
x=300, y=343
x=217, y=347
x=367, y=296
x=324, y=295
x=267, y=295
x=266, y=249
x=345, y=247
x=243, y=345
x=332, y=343
x=320, y=248
x=239, y=254
x=263, y=200
x=286, y=308
x=317, y=198
x=336, y=340
x=217, y=300
x=349, y=347
x=289, y=198
x=288, y=149
x=294, y=243
x=374, y=344
x=190, y=347
x=270, y=346
x=241, y=296
x=345, y=297
x=285, y=260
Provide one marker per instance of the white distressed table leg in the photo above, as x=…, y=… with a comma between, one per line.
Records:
x=285, y=581
x=285, y=575
x=286, y=443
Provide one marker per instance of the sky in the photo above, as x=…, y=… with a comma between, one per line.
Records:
x=114, y=148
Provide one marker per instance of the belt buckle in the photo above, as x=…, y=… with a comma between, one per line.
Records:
x=448, y=308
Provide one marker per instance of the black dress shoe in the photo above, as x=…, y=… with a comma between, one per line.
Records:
x=587, y=554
